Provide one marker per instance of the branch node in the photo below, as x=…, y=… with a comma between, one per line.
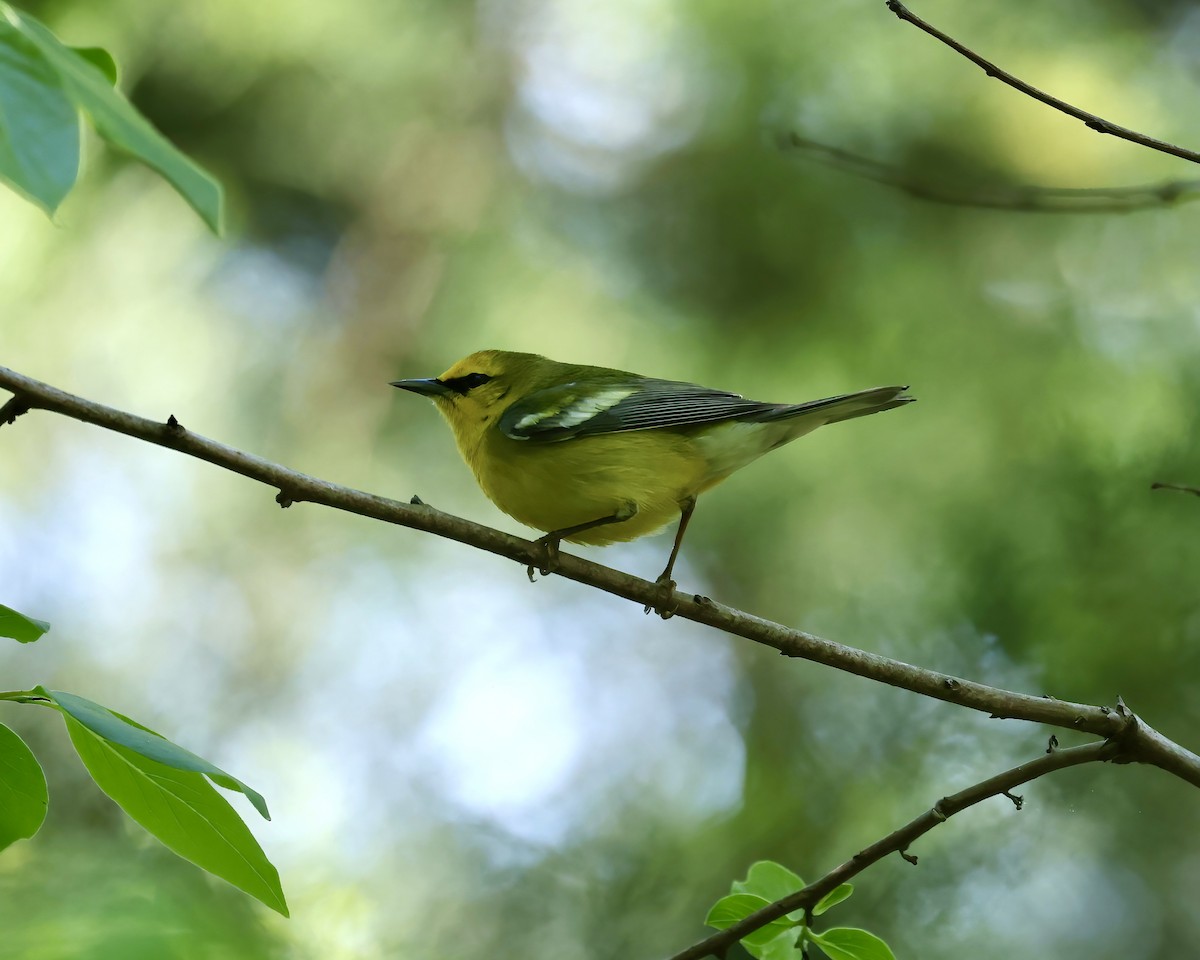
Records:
x=1052, y=744
x=908, y=857
x=938, y=813
x=950, y=683
x=16, y=407
x=283, y=500
x=174, y=426
x=417, y=501
x=1127, y=735
x=702, y=600
x=1017, y=801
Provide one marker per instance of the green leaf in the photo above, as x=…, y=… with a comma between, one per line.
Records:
x=833, y=898
x=850, y=943
x=782, y=947
x=15, y=625
x=116, y=120
x=23, y=795
x=774, y=881
x=737, y=906
x=102, y=60
x=768, y=879
x=181, y=809
x=129, y=733
x=39, y=124
x=730, y=909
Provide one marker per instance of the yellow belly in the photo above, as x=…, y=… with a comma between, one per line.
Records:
x=550, y=486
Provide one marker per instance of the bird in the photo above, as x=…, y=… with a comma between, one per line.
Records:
x=594, y=455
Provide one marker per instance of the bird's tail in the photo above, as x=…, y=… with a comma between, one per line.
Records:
x=846, y=407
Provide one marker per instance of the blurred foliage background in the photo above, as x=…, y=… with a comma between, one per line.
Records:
x=462, y=765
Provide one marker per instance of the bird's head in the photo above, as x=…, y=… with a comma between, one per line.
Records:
x=474, y=392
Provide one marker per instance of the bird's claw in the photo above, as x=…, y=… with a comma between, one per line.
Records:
x=550, y=564
x=666, y=605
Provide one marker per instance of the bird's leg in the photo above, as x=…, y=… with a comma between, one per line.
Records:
x=551, y=540
x=666, y=586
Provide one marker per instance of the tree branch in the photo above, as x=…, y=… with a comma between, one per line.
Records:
x=1023, y=199
x=1175, y=486
x=1139, y=741
x=899, y=840
x=1093, y=122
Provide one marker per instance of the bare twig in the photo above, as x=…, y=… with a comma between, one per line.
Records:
x=1093, y=122
x=1031, y=199
x=1175, y=486
x=1139, y=741
x=899, y=841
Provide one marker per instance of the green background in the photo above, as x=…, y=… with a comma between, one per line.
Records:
x=464, y=765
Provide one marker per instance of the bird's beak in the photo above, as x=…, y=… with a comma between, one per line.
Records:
x=429, y=388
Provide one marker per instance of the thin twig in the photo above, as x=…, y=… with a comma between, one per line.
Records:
x=1139, y=741
x=1023, y=199
x=899, y=841
x=1175, y=486
x=1093, y=122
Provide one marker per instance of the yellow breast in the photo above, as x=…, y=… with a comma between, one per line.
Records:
x=550, y=486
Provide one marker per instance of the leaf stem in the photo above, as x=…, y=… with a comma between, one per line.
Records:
x=22, y=696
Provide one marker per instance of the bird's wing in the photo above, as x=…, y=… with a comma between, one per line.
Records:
x=584, y=409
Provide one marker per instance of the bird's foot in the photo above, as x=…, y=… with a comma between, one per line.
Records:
x=550, y=564
x=665, y=605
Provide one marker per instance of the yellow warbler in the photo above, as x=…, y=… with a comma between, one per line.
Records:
x=595, y=455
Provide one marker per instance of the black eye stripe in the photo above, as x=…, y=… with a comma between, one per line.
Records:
x=466, y=382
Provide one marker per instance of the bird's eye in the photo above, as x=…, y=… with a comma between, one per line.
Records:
x=466, y=382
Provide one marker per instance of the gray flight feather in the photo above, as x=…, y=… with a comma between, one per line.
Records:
x=586, y=409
